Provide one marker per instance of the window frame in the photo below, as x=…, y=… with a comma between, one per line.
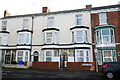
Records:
x=85, y=55
x=102, y=18
x=53, y=38
x=107, y=57
x=79, y=20
x=4, y=25
x=83, y=37
x=25, y=38
x=50, y=23
x=109, y=36
x=25, y=23
x=23, y=55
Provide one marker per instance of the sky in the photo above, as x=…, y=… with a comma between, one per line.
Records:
x=20, y=7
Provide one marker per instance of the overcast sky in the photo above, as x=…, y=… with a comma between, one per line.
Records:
x=20, y=7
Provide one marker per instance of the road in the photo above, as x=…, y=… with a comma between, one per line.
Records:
x=15, y=74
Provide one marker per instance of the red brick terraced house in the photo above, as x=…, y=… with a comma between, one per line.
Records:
x=105, y=24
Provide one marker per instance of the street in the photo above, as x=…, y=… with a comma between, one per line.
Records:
x=30, y=74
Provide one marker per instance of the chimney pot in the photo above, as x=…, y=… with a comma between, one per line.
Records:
x=88, y=6
x=44, y=9
x=6, y=13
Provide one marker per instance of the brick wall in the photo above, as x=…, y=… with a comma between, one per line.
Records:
x=78, y=66
x=113, y=18
x=45, y=65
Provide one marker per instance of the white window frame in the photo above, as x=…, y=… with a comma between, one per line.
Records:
x=45, y=56
x=54, y=37
x=25, y=23
x=107, y=57
x=4, y=39
x=97, y=37
x=102, y=18
x=109, y=36
x=85, y=56
x=50, y=22
x=83, y=37
x=24, y=55
x=22, y=52
x=25, y=39
x=4, y=25
x=78, y=20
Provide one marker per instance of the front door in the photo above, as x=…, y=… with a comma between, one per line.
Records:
x=35, y=58
x=7, y=59
x=63, y=60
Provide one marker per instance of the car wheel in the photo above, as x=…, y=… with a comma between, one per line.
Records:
x=109, y=75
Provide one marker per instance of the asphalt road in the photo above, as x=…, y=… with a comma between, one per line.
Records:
x=29, y=74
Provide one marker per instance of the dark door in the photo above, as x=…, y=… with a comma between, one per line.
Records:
x=35, y=58
x=63, y=61
x=7, y=59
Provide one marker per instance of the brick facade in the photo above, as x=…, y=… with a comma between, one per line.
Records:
x=45, y=65
x=79, y=66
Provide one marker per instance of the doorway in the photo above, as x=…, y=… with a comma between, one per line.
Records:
x=63, y=60
x=35, y=56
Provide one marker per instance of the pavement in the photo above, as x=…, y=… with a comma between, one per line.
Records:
x=33, y=74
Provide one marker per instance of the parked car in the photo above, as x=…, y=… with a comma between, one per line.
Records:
x=111, y=69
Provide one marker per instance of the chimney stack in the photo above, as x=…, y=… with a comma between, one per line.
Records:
x=88, y=6
x=45, y=10
x=6, y=13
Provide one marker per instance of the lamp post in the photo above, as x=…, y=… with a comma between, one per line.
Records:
x=96, y=51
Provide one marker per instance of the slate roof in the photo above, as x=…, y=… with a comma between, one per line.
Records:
x=66, y=11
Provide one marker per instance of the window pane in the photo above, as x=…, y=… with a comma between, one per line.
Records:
x=105, y=32
x=56, y=54
x=55, y=37
x=49, y=37
x=5, y=39
x=50, y=21
x=25, y=23
x=27, y=38
x=48, y=53
x=21, y=39
x=79, y=20
x=72, y=36
x=79, y=36
x=102, y=18
x=4, y=25
x=48, y=59
x=80, y=56
x=107, y=56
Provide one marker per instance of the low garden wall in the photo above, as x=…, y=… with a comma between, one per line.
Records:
x=90, y=66
x=45, y=65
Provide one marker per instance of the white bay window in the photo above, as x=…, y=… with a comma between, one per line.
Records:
x=24, y=38
x=22, y=55
x=80, y=36
x=82, y=55
x=50, y=37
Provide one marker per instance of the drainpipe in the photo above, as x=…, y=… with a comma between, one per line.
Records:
x=31, y=37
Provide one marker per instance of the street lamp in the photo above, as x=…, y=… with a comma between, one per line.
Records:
x=96, y=51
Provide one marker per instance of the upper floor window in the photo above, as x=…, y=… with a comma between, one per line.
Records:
x=78, y=20
x=25, y=23
x=102, y=18
x=23, y=38
x=105, y=36
x=80, y=36
x=50, y=22
x=51, y=37
x=4, y=39
x=4, y=25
